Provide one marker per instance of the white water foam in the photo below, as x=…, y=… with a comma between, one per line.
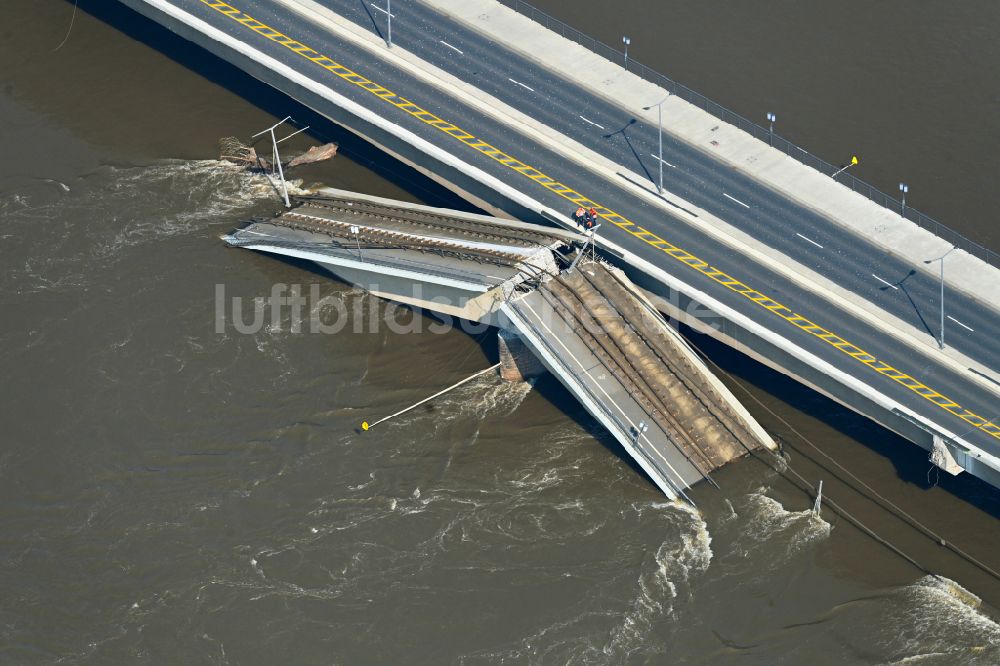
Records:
x=769, y=523
x=211, y=188
x=686, y=553
x=115, y=208
x=664, y=577
x=937, y=620
x=485, y=396
x=496, y=397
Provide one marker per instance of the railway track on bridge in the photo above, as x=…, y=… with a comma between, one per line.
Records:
x=341, y=232
x=630, y=344
x=427, y=221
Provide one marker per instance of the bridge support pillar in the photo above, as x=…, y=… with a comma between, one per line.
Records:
x=517, y=363
x=942, y=456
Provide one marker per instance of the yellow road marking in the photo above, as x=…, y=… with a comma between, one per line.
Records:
x=618, y=220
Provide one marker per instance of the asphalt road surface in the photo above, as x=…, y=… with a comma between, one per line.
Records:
x=743, y=202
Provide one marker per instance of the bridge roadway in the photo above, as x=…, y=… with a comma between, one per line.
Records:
x=693, y=174
x=821, y=329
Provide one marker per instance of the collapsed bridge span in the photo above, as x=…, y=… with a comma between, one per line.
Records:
x=580, y=318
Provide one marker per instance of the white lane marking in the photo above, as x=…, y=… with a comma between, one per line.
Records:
x=885, y=282
x=735, y=199
x=591, y=122
x=520, y=84
x=655, y=157
x=452, y=47
x=809, y=239
x=383, y=11
x=960, y=324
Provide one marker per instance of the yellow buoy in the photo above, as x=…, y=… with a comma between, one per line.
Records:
x=364, y=425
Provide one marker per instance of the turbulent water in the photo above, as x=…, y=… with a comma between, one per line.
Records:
x=174, y=494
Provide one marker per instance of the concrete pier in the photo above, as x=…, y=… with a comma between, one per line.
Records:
x=517, y=363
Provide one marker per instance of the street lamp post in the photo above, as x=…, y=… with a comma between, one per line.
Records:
x=638, y=431
x=770, y=136
x=626, y=41
x=276, y=158
x=931, y=261
x=904, y=188
x=659, y=122
x=388, y=21
x=355, y=230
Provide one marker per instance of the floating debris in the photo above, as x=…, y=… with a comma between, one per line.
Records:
x=236, y=152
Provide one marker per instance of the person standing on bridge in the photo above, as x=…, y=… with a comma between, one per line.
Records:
x=580, y=216
x=591, y=217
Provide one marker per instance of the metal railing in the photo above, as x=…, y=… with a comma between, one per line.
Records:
x=784, y=145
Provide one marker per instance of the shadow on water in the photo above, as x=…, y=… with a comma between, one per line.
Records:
x=910, y=461
x=559, y=396
x=271, y=101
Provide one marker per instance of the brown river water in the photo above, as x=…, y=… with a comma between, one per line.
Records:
x=170, y=494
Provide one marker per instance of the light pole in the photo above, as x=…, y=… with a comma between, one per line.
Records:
x=626, y=41
x=770, y=136
x=637, y=431
x=659, y=122
x=276, y=158
x=904, y=188
x=931, y=261
x=388, y=19
x=354, y=230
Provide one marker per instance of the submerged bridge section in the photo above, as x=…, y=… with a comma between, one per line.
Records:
x=584, y=320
